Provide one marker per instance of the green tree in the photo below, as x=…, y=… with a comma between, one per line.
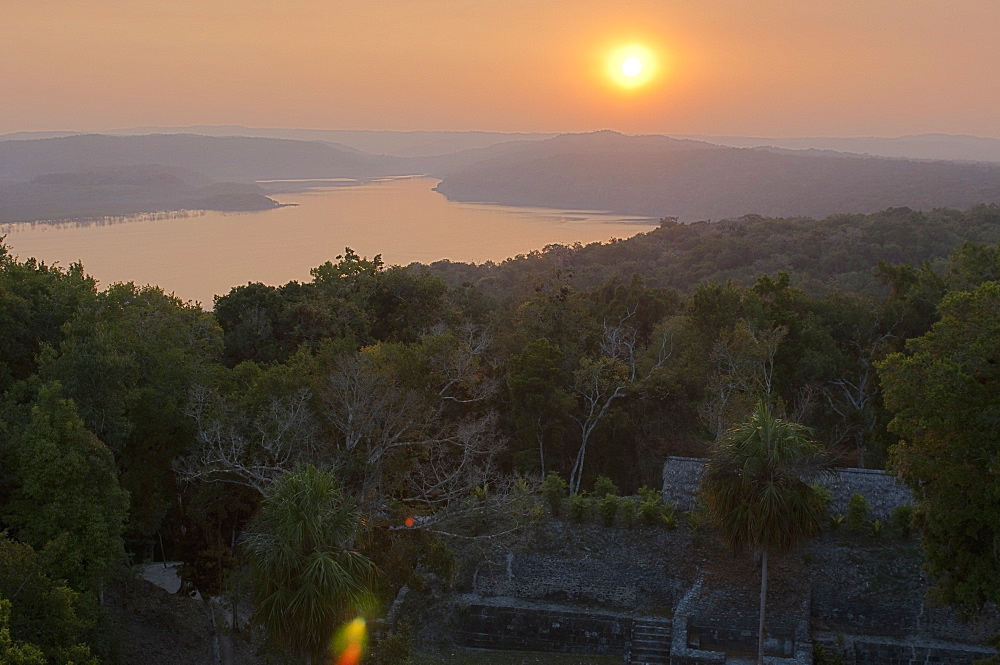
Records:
x=755, y=491
x=44, y=613
x=16, y=653
x=540, y=405
x=307, y=576
x=68, y=504
x=128, y=361
x=945, y=393
x=35, y=301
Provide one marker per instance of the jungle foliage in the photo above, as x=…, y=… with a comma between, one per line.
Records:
x=438, y=398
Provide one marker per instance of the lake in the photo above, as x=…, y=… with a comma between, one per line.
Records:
x=200, y=254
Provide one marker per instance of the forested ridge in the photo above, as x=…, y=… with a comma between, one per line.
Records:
x=407, y=406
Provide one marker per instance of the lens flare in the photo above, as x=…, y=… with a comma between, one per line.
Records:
x=349, y=643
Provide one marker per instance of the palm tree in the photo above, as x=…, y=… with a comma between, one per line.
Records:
x=307, y=577
x=756, y=494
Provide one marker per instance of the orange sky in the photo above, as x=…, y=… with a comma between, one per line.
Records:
x=749, y=67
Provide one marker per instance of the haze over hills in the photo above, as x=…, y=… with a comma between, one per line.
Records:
x=653, y=176
x=960, y=147
x=124, y=190
x=377, y=142
x=242, y=159
x=429, y=143
x=658, y=176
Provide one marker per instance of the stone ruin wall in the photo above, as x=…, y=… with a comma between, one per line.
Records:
x=585, y=600
x=682, y=475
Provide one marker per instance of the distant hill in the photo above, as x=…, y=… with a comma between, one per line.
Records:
x=238, y=159
x=837, y=253
x=650, y=176
x=958, y=147
x=123, y=190
x=662, y=177
x=376, y=142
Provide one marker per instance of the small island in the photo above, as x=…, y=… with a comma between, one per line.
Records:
x=125, y=190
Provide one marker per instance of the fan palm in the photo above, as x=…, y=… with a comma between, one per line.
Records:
x=756, y=493
x=307, y=577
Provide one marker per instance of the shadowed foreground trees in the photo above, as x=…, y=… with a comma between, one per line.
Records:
x=945, y=392
x=756, y=494
x=307, y=576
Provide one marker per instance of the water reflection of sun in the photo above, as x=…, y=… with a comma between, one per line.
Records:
x=632, y=65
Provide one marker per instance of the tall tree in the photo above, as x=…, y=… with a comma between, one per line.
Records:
x=128, y=360
x=16, y=653
x=68, y=504
x=756, y=491
x=945, y=392
x=44, y=613
x=539, y=403
x=308, y=577
x=35, y=301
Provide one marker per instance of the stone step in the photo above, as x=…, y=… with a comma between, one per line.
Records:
x=659, y=647
x=650, y=635
x=650, y=642
x=650, y=660
x=647, y=657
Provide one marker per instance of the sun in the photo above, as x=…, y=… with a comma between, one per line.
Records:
x=632, y=65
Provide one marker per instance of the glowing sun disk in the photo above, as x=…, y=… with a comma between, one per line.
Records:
x=631, y=65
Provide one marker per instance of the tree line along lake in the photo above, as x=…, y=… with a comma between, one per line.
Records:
x=199, y=254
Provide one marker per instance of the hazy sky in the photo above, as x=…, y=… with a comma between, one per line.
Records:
x=751, y=67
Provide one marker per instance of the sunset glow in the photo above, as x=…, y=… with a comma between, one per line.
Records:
x=544, y=67
x=632, y=66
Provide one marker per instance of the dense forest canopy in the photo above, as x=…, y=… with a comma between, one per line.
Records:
x=435, y=398
x=839, y=252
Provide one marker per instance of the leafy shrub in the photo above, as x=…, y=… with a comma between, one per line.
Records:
x=650, y=510
x=393, y=649
x=876, y=527
x=669, y=520
x=604, y=486
x=858, y=512
x=902, y=519
x=825, y=495
x=836, y=521
x=608, y=508
x=820, y=656
x=440, y=560
x=554, y=489
x=628, y=512
x=580, y=506
x=647, y=493
x=697, y=518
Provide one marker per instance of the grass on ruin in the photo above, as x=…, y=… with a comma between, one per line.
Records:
x=483, y=657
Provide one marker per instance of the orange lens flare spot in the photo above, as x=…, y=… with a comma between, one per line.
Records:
x=409, y=521
x=351, y=655
x=349, y=643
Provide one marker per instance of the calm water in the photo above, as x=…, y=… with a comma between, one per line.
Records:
x=199, y=255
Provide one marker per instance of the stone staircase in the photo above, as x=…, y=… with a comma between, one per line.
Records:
x=650, y=642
